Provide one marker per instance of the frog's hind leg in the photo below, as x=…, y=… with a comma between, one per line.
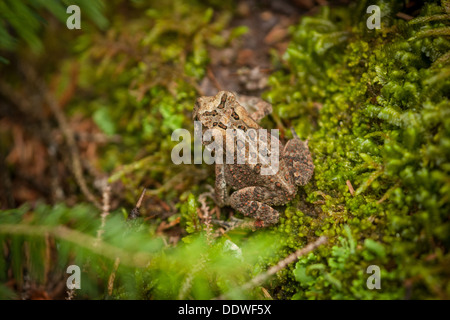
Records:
x=250, y=202
x=297, y=155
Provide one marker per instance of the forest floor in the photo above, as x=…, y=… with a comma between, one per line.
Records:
x=86, y=124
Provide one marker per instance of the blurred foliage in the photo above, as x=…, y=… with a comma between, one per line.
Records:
x=201, y=268
x=379, y=102
x=24, y=20
x=374, y=103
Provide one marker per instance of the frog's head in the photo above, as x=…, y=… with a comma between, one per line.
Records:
x=221, y=112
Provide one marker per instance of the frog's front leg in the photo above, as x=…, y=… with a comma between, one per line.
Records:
x=252, y=201
x=221, y=189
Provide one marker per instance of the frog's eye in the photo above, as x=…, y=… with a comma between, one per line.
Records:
x=222, y=102
x=242, y=127
x=210, y=113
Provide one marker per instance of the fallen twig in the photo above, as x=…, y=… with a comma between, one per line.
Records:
x=350, y=187
x=135, y=213
x=404, y=16
x=262, y=277
x=105, y=212
x=112, y=276
x=166, y=225
x=67, y=131
x=213, y=79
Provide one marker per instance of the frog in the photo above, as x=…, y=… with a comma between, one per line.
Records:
x=242, y=185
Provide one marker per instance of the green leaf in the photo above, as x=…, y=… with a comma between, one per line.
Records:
x=103, y=119
x=375, y=247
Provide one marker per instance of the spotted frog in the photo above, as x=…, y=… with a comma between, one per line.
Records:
x=252, y=193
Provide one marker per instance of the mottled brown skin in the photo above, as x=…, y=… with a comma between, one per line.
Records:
x=254, y=194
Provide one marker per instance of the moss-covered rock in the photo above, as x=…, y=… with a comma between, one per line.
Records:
x=378, y=102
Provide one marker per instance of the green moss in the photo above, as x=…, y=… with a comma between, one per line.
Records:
x=381, y=121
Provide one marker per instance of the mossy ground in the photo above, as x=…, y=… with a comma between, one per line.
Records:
x=382, y=126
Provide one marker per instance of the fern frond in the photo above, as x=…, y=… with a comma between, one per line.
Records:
x=438, y=32
x=444, y=31
x=78, y=238
x=442, y=60
x=437, y=17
